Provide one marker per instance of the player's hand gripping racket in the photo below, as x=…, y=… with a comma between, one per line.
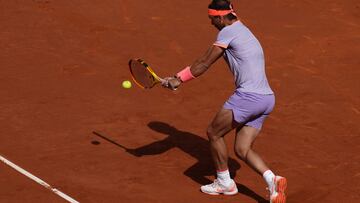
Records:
x=143, y=75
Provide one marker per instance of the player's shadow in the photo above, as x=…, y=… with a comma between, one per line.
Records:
x=195, y=146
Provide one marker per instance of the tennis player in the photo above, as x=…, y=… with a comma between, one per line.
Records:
x=245, y=110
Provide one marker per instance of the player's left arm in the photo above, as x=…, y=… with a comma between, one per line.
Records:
x=200, y=66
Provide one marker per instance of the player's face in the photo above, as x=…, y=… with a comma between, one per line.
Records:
x=217, y=21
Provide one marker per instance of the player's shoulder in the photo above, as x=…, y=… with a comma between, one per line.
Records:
x=232, y=29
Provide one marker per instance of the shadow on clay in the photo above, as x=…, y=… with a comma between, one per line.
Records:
x=191, y=144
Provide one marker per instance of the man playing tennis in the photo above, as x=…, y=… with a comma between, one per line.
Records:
x=245, y=110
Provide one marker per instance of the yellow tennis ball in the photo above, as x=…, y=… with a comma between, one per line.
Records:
x=126, y=84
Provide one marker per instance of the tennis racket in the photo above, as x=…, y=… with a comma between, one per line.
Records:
x=143, y=75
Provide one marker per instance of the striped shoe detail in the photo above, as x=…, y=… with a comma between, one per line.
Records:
x=278, y=196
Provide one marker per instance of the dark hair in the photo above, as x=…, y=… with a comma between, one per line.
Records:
x=222, y=5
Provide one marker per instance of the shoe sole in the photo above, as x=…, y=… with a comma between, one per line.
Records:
x=224, y=193
x=280, y=198
x=281, y=186
x=231, y=193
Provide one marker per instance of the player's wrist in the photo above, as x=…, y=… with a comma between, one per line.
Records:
x=185, y=75
x=178, y=78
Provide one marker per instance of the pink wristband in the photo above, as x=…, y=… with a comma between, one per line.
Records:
x=185, y=74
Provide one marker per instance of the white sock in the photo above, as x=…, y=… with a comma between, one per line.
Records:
x=224, y=177
x=269, y=177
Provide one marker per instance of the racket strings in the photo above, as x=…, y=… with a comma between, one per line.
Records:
x=141, y=74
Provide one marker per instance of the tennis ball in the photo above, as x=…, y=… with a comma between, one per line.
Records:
x=126, y=84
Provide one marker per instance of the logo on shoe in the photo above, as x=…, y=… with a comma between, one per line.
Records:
x=219, y=190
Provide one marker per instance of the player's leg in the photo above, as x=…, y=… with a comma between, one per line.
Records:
x=245, y=137
x=219, y=127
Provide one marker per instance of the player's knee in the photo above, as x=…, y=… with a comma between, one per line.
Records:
x=211, y=133
x=242, y=151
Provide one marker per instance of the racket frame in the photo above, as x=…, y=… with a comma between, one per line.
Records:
x=147, y=67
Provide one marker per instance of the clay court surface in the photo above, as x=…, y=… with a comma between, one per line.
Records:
x=61, y=68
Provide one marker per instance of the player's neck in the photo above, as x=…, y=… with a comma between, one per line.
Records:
x=230, y=22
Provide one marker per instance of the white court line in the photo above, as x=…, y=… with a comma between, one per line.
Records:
x=38, y=180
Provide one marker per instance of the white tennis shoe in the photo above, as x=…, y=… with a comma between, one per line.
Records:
x=217, y=188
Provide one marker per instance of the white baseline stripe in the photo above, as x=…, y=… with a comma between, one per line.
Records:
x=38, y=180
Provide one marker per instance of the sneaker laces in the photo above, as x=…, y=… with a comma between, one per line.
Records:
x=215, y=184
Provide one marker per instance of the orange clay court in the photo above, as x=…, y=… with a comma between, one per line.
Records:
x=65, y=118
